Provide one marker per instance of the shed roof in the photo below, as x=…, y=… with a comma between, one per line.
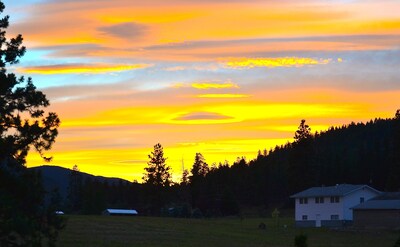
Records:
x=378, y=204
x=121, y=211
x=337, y=190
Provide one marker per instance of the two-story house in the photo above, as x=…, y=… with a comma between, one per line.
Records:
x=330, y=206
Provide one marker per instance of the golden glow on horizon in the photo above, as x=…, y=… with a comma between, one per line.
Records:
x=293, y=128
x=168, y=124
x=82, y=68
x=129, y=163
x=236, y=111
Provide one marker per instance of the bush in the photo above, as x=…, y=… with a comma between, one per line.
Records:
x=300, y=240
x=196, y=213
x=275, y=216
x=262, y=226
x=397, y=244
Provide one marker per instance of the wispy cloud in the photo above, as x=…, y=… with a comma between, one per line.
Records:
x=246, y=63
x=127, y=30
x=225, y=95
x=81, y=68
x=208, y=85
x=204, y=85
x=175, y=68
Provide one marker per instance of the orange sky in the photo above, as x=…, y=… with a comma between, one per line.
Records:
x=224, y=78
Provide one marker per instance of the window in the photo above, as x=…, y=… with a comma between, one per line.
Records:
x=361, y=199
x=335, y=199
x=319, y=200
x=334, y=217
x=304, y=217
x=303, y=200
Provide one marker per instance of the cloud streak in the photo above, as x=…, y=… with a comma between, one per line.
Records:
x=81, y=68
x=223, y=95
x=127, y=30
x=248, y=63
x=205, y=85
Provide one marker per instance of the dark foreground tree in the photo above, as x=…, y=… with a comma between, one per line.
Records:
x=199, y=171
x=200, y=167
x=157, y=180
x=75, y=190
x=24, y=219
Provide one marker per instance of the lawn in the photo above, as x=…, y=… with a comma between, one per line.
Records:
x=111, y=231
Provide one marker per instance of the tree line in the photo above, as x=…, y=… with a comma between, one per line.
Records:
x=357, y=153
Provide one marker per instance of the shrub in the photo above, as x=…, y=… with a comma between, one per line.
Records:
x=397, y=244
x=300, y=240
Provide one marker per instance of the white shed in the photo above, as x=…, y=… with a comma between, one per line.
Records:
x=126, y=212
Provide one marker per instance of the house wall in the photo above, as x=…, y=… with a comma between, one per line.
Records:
x=326, y=209
x=377, y=219
x=353, y=199
x=312, y=209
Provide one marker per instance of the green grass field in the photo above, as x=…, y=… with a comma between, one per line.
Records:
x=109, y=231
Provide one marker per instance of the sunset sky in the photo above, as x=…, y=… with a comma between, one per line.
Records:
x=225, y=78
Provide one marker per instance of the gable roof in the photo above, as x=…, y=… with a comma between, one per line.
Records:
x=338, y=190
x=378, y=204
x=121, y=211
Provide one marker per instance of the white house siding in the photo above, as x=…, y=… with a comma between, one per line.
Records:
x=353, y=199
x=325, y=210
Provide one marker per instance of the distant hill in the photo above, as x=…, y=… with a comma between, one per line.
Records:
x=58, y=177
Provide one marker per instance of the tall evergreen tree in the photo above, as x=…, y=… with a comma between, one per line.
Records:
x=24, y=219
x=200, y=167
x=185, y=177
x=75, y=190
x=303, y=132
x=302, y=172
x=199, y=172
x=157, y=171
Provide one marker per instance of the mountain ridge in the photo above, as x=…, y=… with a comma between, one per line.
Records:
x=57, y=177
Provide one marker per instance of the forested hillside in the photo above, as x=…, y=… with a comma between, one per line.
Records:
x=358, y=153
x=362, y=153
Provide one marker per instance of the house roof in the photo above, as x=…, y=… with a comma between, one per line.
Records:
x=388, y=196
x=121, y=211
x=378, y=204
x=338, y=190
